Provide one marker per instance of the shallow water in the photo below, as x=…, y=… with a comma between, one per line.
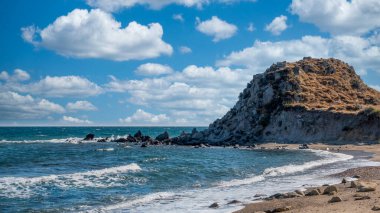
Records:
x=52, y=175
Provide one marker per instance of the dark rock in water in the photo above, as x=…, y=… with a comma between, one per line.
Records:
x=233, y=202
x=285, y=104
x=131, y=139
x=163, y=136
x=146, y=138
x=144, y=145
x=260, y=195
x=138, y=134
x=89, y=137
x=214, y=205
x=194, y=131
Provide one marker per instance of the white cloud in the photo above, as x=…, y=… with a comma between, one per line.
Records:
x=96, y=34
x=74, y=120
x=15, y=106
x=354, y=17
x=18, y=75
x=80, y=105
x=116, y=5
x=278, y=25
x=251, y=27
x=216, y=28
x=362, y=53
x=63, y=86
x=140, y=117
x=153, y=69
x=197, y=94
x=185, y=50
x=178, y=17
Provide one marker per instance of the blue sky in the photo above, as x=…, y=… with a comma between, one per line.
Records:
x=170, y=62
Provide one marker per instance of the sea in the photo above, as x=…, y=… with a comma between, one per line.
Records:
x=48, y=169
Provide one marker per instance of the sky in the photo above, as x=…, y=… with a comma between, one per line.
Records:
x=167, y=62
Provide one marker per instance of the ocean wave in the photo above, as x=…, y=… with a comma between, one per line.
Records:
x=25, y=186
x=61, y=140
x=327, y=158
x=141, y=200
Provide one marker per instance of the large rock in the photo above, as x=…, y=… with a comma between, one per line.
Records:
x=307, y=101
x=335, y=199
x=138, y=134
x=330, y=190
x=366, y=187
x=163, y=136
x=313, y=192
x=89, y=137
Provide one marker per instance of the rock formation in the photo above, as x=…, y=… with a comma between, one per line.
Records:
x=311, y=100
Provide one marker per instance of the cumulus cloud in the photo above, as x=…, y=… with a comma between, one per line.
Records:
x=278, y=25
x=15, y=106
x=178, y=17
x=80, y=106
x=153, y=69
x=18, y=75
x=74, y=120
x=362, y=53
x=197, y=95
x=353, y=17
x=251, y=27
x=185, y=50
x=96, y=34
x=60, y=86
x=140, y=117
x=112, y=6
x=216, y=28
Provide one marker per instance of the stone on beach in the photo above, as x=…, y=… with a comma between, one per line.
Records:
x=366, y=187
x=330, y=189
x=313, y=192
x=280, y=209
x=366, y=197
x=299, y=192
x=375, y=208
x=233, y=202
x=335, y=199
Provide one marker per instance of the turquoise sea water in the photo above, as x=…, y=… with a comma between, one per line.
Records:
x=40, y=171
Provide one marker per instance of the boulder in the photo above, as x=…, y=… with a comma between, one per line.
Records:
x=366, y=187
x=121, y=140
x=260, y=195
x=131, y=139
x=144, y=145
x=366, y=197
x=335, y=199
x=354, y=184
x=233, y=202
x=163, y=136
x=146, y=138
x=344, y=181
x=214, y=205
x=375, y=208
x=299, y=192
x=330, y=189
x=89, y=137
x=313, y=192
x=138, y=134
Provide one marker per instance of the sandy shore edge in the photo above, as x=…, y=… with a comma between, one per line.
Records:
x=351, y=199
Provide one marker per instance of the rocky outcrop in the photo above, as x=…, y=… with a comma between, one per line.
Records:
x=311, y=100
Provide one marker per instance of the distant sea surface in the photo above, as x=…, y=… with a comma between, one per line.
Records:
x=41, y=171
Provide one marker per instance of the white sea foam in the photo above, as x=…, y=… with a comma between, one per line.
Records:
x=141, y=200
x=102, y=178
x=327, y=158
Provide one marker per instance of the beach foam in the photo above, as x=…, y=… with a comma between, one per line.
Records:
x=24, y=186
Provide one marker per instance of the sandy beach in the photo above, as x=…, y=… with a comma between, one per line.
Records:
x=349, y=198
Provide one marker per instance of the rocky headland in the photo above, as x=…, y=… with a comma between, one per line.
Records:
x=311, y=100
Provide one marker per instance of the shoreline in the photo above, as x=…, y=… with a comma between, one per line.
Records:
x=349, y=199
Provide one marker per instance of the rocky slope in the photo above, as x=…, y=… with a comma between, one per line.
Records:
x=311, y=100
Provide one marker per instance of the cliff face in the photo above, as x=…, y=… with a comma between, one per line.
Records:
x=312, y=100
